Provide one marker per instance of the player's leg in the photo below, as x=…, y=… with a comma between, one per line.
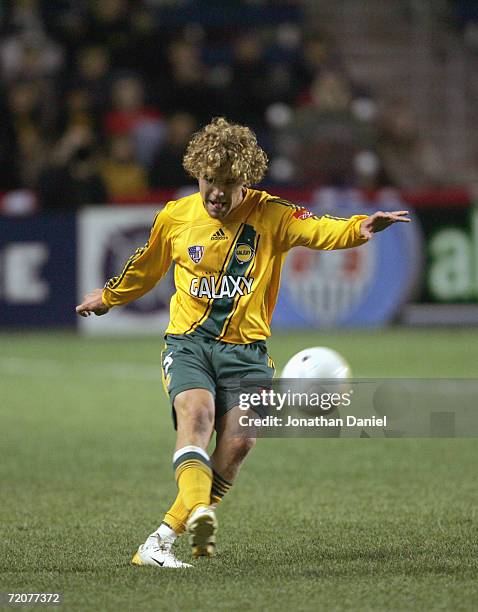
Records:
x=230, y=450
x=194, y=411
x=192, y=465
x=190, y=382
x=233, y=362
x=229, y=362
x=190, y=385
x=226, y=460
x=229, y=454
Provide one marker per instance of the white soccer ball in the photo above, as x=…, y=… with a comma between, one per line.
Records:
x=317, y=362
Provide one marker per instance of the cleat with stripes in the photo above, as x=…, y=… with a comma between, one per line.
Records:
x=202, y=528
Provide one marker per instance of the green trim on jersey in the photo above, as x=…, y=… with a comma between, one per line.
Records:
x=284, y=203
x=210, y=302
x=222, y=307
x=236, y=304
x=116, y=280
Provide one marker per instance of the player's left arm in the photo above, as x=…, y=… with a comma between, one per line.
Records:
x=381, y=220
x=302, y=228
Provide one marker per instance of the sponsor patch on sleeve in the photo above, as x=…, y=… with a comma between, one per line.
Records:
x=302, y=214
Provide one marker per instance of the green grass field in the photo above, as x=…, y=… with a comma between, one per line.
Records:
x=312, y=524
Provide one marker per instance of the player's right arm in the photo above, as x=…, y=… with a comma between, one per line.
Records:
x=140, y=274
x=92, y=303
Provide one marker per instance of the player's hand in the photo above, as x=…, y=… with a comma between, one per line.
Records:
x=92, y=303
x=381, y=220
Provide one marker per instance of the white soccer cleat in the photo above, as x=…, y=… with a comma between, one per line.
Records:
x=202, y=527
x=158, y=552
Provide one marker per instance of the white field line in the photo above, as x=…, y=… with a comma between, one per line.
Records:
x=55, y=368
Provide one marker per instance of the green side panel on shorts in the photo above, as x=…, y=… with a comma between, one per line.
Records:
x=222, y=307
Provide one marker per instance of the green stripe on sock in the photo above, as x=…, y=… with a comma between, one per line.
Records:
x=220, y=486
x=218, y=477
x=188, y=456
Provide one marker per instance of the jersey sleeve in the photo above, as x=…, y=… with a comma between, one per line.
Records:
x=144, y=268
x=301, y=228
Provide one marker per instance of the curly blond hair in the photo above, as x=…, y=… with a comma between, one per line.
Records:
x=229, y=146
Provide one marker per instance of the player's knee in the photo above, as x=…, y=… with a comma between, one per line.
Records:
x=240, y=447
x=198, y=414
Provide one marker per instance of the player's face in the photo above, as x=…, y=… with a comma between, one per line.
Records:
x=220, y=194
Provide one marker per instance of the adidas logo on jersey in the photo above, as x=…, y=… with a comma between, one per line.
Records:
x=220, y=235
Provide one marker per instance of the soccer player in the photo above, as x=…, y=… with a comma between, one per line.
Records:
x=228, y=243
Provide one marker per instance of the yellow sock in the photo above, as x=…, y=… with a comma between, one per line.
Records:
x=177, y=515
x=194, y=476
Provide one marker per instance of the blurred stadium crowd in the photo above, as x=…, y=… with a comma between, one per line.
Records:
x=99, y=99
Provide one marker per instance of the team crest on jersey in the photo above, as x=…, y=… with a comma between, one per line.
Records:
x=244, y=253
x=195, y=253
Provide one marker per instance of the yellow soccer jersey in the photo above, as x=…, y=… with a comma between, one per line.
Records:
x=227, y=272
